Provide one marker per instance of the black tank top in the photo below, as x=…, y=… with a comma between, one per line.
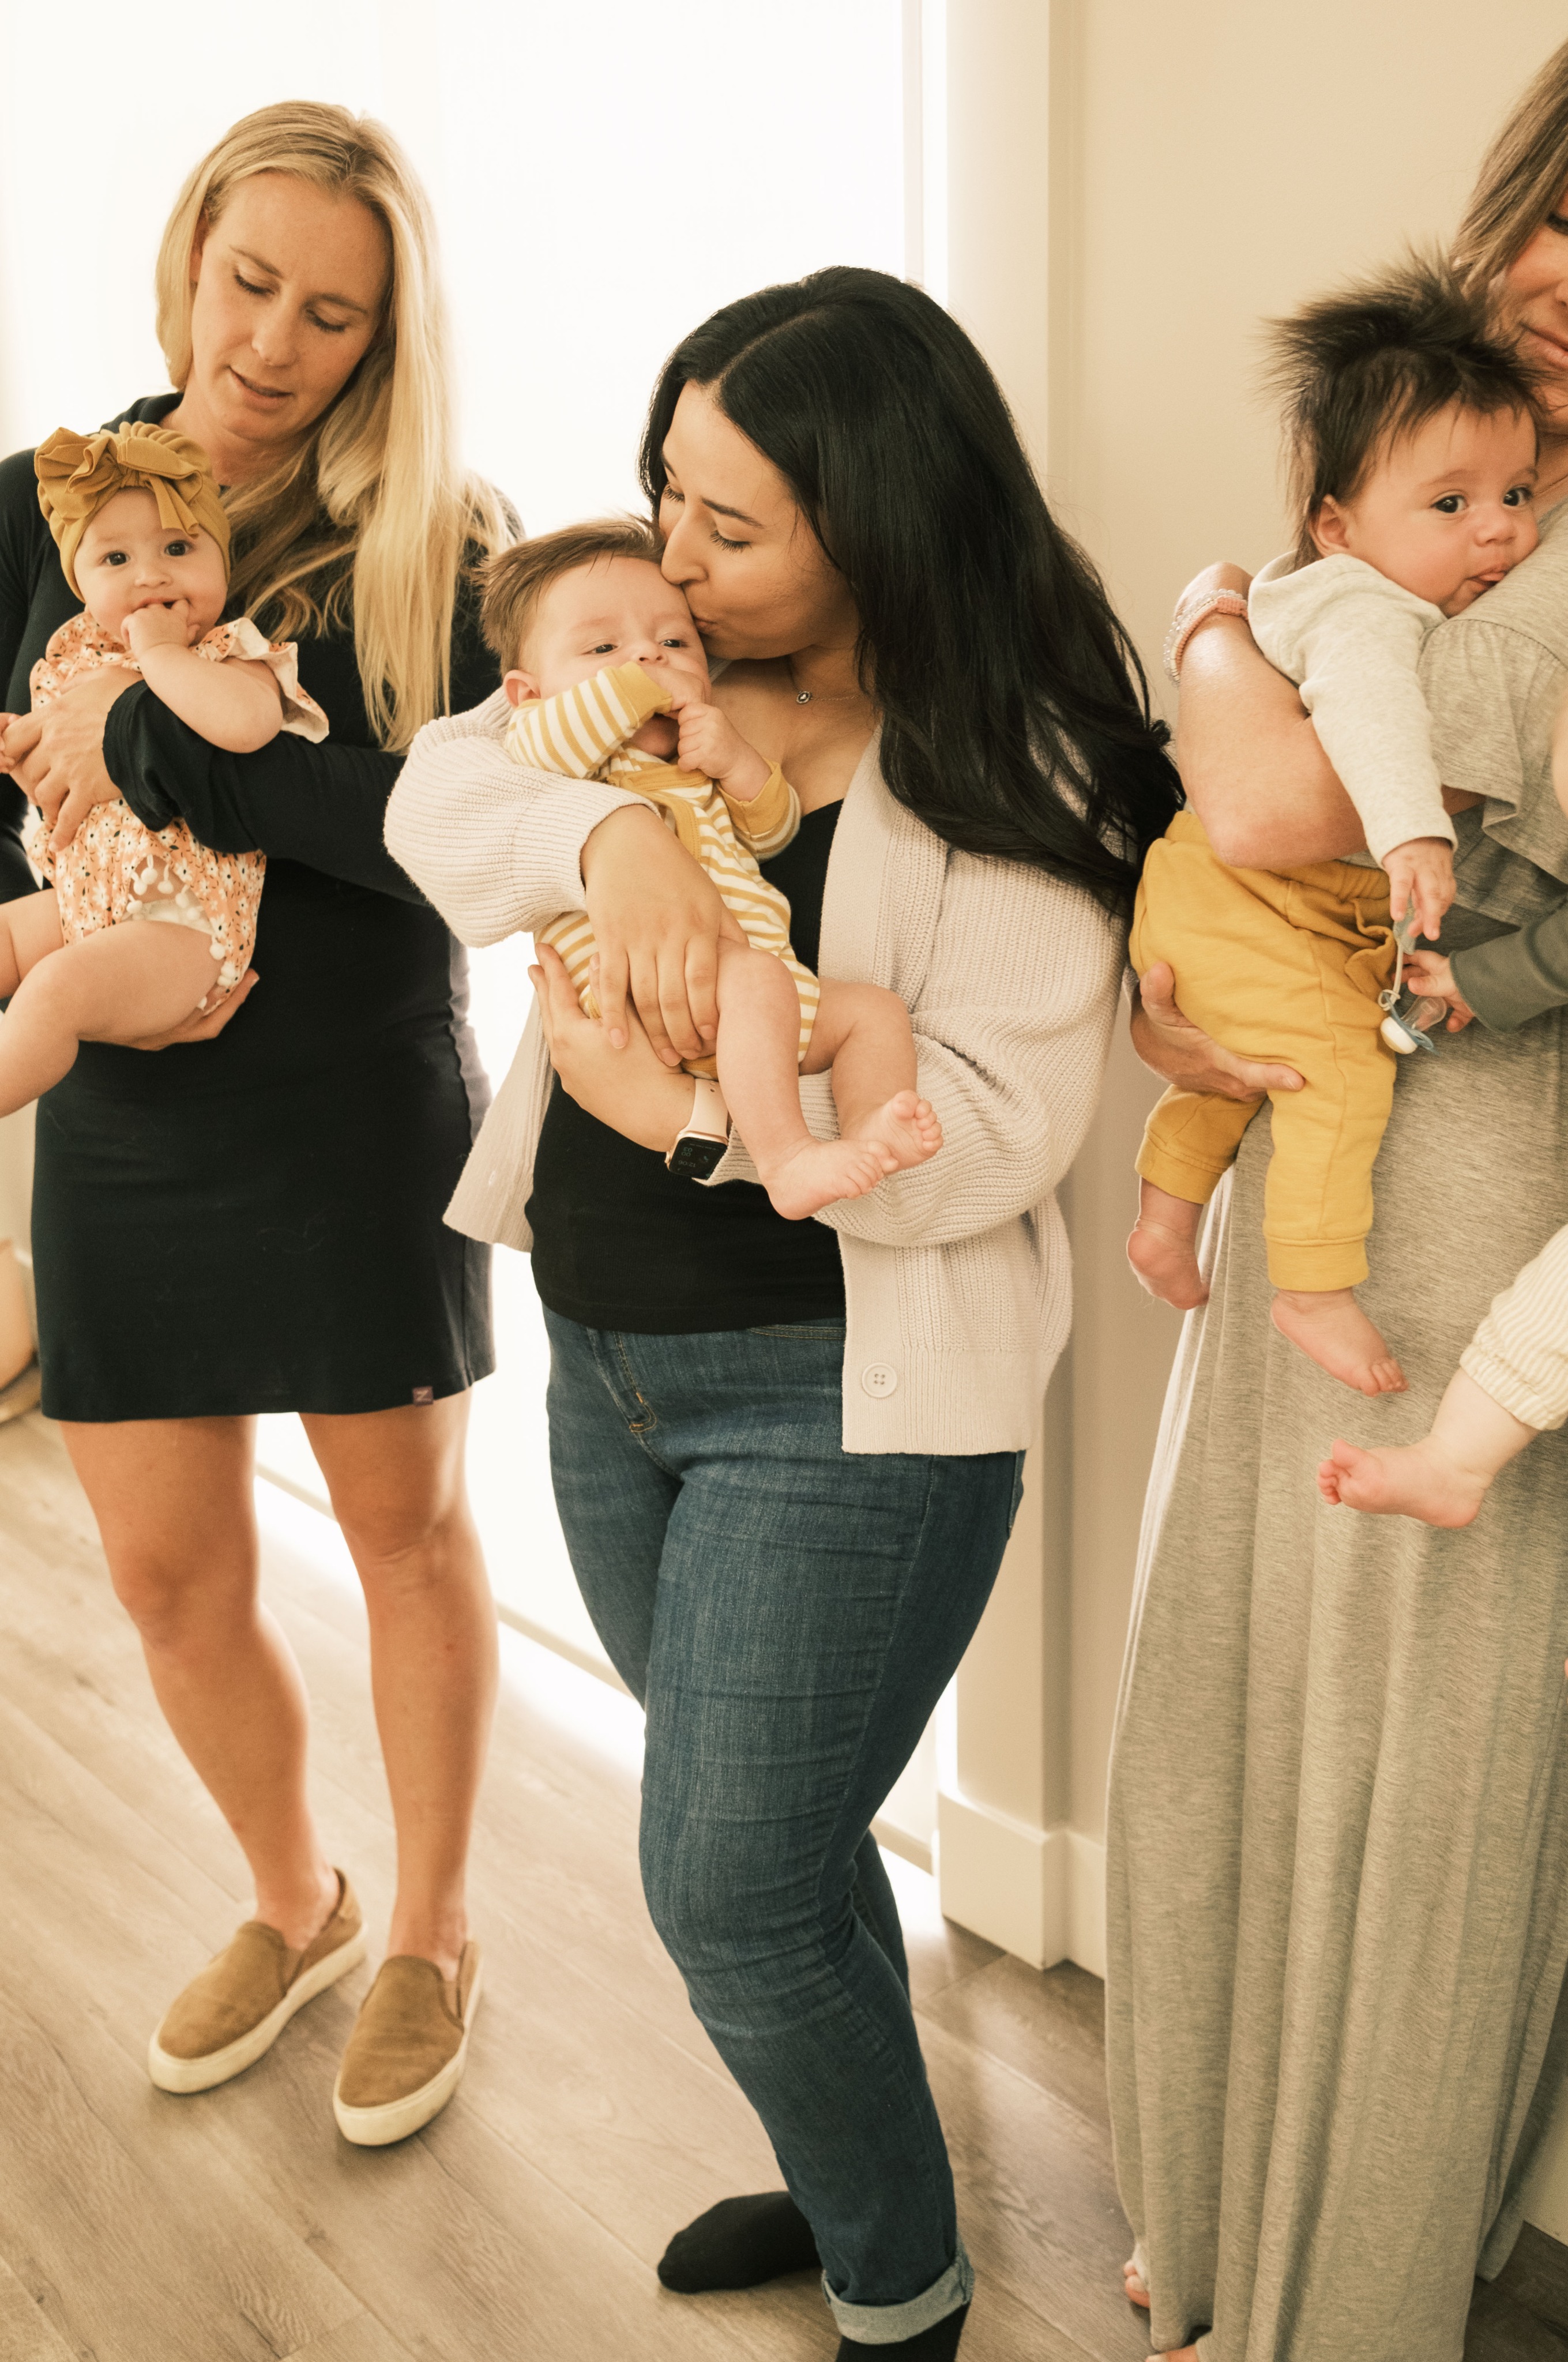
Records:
x=620, y=1243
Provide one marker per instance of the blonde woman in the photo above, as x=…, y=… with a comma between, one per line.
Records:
x=1338, y=1922
x=255, y=1224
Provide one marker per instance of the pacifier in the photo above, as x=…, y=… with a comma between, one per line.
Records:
x=1404, y=1030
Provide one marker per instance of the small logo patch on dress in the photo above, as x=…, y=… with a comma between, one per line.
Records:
x=423, y=1393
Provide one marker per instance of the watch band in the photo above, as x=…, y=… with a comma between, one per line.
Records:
x=700, y=1145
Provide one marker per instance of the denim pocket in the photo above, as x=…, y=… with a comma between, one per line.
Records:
x=821, y=1332
x=1017, y=1492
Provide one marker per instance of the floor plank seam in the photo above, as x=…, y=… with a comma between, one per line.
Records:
x=1045, y=2092
x=156, y=1830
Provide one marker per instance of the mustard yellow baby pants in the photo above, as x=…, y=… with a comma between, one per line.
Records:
x=1287, y=966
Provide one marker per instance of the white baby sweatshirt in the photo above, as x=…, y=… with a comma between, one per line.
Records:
x=1351, y=640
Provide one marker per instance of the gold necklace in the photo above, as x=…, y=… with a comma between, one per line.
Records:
x=811, y=697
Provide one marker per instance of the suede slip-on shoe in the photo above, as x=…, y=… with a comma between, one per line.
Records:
x=241, y=2002
x=406, y=2055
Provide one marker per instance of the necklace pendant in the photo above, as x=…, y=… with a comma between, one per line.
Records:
x=802, y=697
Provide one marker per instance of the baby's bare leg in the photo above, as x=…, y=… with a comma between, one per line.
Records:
x=864, y=1034
x=1443, y=1479
x=120, y=986
x=29, y=931
x=1162, y=1249
x=758, y=1061
x=1328, y=1326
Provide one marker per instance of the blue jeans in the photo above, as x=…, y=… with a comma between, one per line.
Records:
x=789, y=1612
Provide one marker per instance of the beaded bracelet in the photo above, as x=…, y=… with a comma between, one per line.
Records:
x=1188, y=616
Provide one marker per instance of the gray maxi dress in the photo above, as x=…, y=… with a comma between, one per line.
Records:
x=1338, y=1828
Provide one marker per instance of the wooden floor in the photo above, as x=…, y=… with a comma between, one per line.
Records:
x=236, y=2226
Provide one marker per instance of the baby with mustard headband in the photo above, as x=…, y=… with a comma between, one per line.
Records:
x=143, y=539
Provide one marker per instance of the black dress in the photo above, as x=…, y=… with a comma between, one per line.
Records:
x=254, y=1223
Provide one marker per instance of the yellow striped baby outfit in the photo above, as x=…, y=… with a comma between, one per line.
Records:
x=581, y=732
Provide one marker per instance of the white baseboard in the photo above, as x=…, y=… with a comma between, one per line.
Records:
x=1040, y=1894
x=893, y=1840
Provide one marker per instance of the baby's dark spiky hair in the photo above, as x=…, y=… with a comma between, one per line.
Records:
x=1360, y=370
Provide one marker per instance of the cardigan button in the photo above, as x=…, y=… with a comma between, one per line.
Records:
x=880, y=1378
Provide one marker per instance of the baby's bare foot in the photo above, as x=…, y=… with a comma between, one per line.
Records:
x=1165, y=1262
x=906, y=1128
x=1406, y=1481
x=1331, y=1330
x=819, y=1172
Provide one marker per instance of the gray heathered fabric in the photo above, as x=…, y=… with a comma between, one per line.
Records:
x=1338, y=1835
x=1338, y=1832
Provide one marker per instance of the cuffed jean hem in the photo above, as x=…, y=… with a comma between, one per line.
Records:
x=884, y=2324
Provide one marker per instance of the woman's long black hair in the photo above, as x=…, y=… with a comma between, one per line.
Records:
x=1015, y=714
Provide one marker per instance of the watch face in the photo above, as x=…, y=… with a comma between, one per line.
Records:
x=692, y=1158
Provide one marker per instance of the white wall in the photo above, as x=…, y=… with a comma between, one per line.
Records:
x=602, y=179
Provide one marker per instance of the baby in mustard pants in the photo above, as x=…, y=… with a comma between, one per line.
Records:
x=609, y=681
x=1413, y=461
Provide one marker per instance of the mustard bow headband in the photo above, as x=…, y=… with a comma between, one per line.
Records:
x=77, y=473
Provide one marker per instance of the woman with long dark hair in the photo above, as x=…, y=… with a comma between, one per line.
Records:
x=787, y=1456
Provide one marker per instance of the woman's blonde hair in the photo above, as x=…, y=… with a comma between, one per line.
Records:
x=1522, y=176
x=373, y=514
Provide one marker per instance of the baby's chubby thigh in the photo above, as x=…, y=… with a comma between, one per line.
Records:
x=124, y=984
x=1244, y=971
x=873, y=1018
x=756, y=988
x=29, y=932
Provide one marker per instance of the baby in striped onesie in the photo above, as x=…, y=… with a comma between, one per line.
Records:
x=609, y=682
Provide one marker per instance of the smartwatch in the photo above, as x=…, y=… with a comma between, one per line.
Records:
x=701, y=1146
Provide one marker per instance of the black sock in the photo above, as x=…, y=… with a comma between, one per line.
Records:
x=739, y=2243
x=937, y=2344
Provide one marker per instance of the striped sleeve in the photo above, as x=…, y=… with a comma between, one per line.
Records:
x=574, y=732
x=768, y=822
x=1519, y=1353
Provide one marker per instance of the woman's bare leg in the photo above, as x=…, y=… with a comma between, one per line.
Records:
x=396, y=1482
x=174, y=1503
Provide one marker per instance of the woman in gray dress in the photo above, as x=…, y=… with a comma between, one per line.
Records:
x=1339, y=1807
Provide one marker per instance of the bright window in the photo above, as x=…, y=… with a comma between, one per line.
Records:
x=604, y=179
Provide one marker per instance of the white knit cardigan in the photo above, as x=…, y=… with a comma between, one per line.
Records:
x=957, y=1275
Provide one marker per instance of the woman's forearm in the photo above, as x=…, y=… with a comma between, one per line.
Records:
x=1251, y=762
x=497, y=847
x=320, y=805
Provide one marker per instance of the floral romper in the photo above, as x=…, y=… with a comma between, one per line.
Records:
x=114, y=869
